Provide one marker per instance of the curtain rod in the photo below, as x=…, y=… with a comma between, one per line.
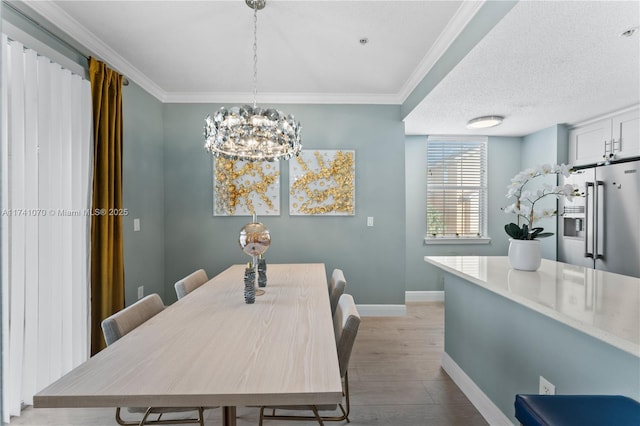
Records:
x=51, y=34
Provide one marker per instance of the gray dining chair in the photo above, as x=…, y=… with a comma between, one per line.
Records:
x=337, y=285
x=190, y=283
x=346, y=322
x=123, y=322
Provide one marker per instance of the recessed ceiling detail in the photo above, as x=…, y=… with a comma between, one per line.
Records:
x=544, y=63
x=159, y=45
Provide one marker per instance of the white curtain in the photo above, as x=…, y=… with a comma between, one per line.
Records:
x=46, y=176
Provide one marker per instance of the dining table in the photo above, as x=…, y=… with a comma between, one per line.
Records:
x=211, y=349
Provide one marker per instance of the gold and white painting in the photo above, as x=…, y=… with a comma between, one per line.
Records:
x=322, y=182
x=243, y=188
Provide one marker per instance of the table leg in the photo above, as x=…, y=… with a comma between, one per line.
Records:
x=229, y=416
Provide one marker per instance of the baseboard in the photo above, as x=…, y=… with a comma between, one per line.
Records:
x=400, y=310
x=491, y=413
x=424, y=296
x=382, y=310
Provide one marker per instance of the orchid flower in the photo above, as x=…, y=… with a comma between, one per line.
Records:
x=526, y=199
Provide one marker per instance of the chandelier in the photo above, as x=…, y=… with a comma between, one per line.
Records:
x=248, y=132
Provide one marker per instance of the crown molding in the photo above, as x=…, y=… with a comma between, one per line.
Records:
x=458, y=23
x=281, y=98
x=58, y=17
x=54, y=14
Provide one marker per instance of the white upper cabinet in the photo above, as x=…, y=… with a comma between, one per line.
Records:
x=587, y=143
x=612, y=138
x=626, y=134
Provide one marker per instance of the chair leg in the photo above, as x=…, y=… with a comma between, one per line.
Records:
x=146, y=415
x=201, y=416
x=145, y=419
x=318, y=418
x=321, y=419
x=118, y=418
x=123, y=422
x=346, y=397
x=345, y=413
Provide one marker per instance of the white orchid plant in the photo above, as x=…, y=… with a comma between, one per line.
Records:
x=525, y=200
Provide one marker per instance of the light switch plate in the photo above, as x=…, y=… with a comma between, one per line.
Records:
x=136, y=225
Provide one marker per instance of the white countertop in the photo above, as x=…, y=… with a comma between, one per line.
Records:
x=601, y=304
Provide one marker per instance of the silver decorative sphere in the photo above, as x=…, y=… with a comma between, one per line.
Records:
x=254, y=239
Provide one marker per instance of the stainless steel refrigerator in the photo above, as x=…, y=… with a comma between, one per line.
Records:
x=601, y=229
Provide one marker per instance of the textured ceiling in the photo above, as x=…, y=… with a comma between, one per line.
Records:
x=545, y=62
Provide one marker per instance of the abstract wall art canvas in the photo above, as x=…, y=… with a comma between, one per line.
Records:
x=242, y=188
x=322, y=182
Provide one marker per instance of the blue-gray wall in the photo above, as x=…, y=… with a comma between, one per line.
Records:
x=507, y=157
x=167, y=184
x=546, y=146
x=143, y=192
x=372, y=257
x=504, y=348
x=503, y=161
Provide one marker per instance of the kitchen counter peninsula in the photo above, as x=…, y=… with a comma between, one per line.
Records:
x=578, y=327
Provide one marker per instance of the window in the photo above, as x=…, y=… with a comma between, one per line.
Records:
x=456, y=190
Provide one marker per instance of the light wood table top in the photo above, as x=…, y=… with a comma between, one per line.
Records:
x=212, y=349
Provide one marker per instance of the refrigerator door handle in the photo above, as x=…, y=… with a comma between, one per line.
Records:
x=587, y=218
x=600, y=220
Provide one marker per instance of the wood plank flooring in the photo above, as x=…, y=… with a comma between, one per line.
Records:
x=394, y=375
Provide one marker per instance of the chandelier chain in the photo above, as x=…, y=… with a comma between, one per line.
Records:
x=249, y=133
x=255, y=53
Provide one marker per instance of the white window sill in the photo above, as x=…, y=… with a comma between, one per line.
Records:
x=462, y=240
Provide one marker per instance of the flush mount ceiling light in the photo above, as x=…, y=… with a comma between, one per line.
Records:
x=485, y=122
x=248, y=132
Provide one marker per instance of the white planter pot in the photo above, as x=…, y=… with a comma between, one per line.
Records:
x=524, y=255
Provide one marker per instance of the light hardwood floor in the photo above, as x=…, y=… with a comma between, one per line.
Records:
x=395, y=380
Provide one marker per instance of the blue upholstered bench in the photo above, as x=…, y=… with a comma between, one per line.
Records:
x=578, y=410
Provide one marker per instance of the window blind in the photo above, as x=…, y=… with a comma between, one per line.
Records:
x=46, y=192
x=456, y=188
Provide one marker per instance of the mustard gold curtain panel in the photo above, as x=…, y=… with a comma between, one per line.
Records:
x=107, y=260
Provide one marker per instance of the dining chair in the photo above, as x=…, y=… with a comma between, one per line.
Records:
x=337, y=285
x=345, y=324
x=123, y=322
x=190, y=283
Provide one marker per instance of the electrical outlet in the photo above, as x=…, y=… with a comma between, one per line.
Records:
x=370, y=221
x=140, y=292
x=546, y=387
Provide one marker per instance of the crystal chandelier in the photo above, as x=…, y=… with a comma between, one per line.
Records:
x=248, y=132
